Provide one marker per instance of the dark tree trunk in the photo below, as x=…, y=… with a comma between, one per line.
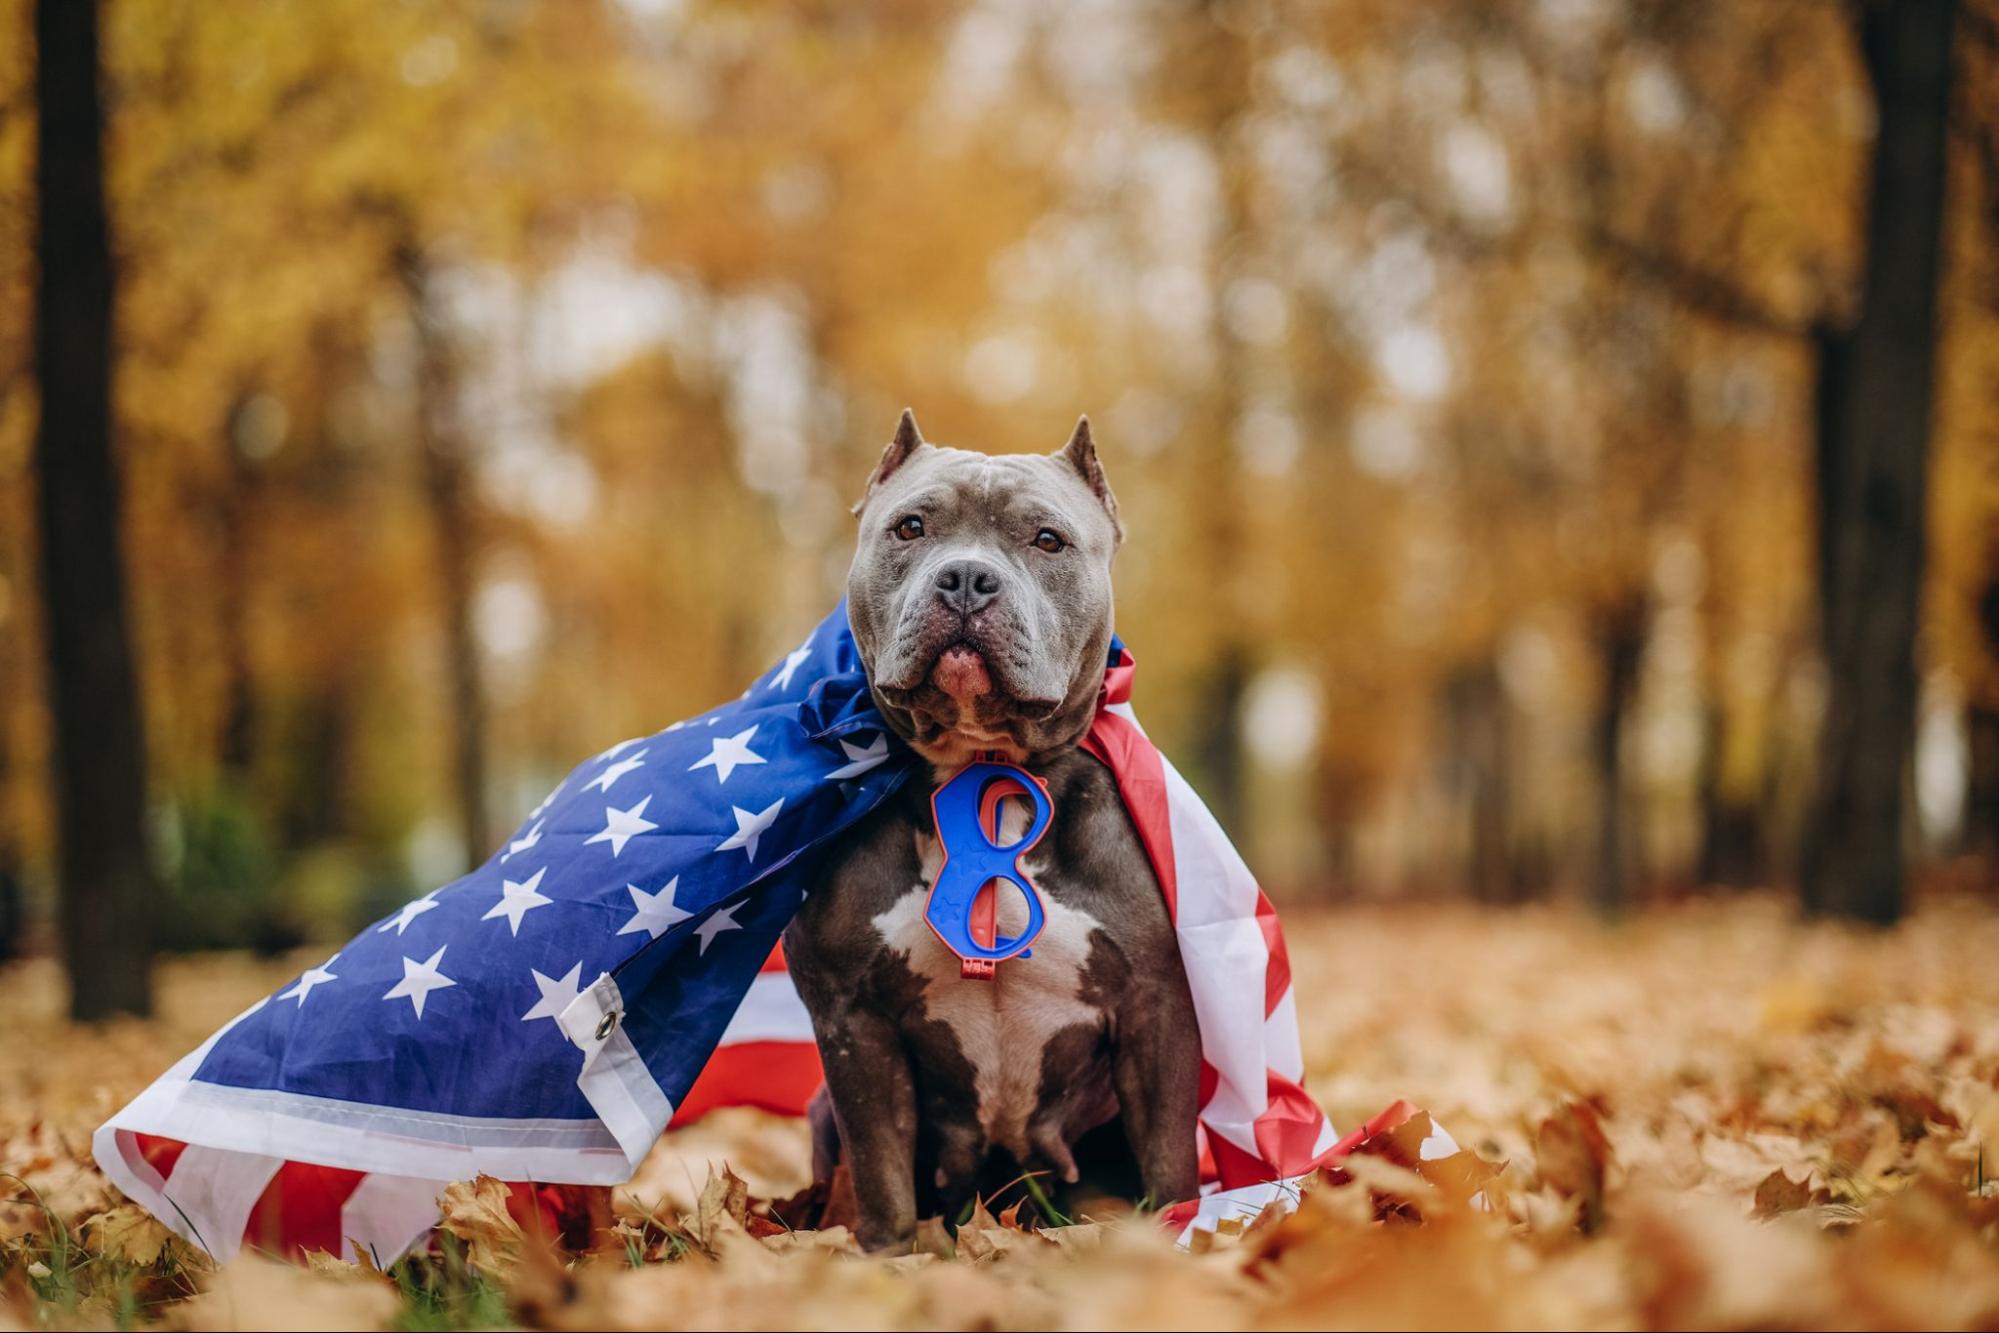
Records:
x=234, y=561
x=1480, y=726
x=1734, y=851
x=11, y=922
x=1218, y=740
x=313, y=805
x=99, y=747
x=1981, y=796
x=1873, y=479
x=1981, y=724
x=1832, y=369
x=447, y=486
x=1620, y=636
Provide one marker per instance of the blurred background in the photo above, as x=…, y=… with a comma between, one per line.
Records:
x=1557, y=437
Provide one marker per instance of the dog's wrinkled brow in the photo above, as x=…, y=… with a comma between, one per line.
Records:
x=939, y=495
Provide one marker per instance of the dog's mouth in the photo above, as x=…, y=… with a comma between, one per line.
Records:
x=961, y=672
x=967, y=682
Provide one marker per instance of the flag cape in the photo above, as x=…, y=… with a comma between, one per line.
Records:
x=614, y=968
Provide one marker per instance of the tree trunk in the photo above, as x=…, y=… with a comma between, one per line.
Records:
x=1981, y=797
x=1217, y=748
x=234, y=563
x=1734, y=842
x=447, y=488
x=99, y=746
x=1620, y=633
x=1873, y=479
x=1981, y=724
x=1479, y=726
x=1220, y=76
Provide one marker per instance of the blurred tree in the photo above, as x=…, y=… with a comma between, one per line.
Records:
x=446, y=483
x=1208, y=74
x=1873, y=477
x=1965, y=574
x=106, y=882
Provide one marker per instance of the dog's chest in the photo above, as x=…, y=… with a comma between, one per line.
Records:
x=1003, y=1025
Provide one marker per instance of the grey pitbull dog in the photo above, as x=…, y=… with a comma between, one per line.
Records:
x=980, y=599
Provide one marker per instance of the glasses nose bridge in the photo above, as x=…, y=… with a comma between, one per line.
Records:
x=992, y=812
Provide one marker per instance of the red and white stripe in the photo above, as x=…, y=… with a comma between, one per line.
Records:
x=1257, y=1123
x=767, y=1057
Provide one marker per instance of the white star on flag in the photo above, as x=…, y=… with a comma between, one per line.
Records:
x=792, y=661
x=861, y=758
x=723, y=918
x=750, y=827
x=654, y=913
x=525, y=841
x=727, y=754
x=602, y=782
x=420, y=979
x=410, y=911
x=312, y=976
x=555, y=995
x=619, y=748
x=622, y=825
x=518, y=899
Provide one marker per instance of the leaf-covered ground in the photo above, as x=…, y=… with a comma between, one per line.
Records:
x=1711, y=1117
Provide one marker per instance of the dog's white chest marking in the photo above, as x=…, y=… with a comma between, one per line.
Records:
x=1003, y=1024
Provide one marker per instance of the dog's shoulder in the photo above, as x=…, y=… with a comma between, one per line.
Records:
x=863, y=871
x=1093, y=858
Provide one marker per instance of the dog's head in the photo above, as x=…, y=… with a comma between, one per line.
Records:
x=980, y=594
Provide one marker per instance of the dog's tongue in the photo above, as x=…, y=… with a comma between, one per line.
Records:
x=961, y=673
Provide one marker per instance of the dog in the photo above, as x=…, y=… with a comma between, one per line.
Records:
x=980, y=601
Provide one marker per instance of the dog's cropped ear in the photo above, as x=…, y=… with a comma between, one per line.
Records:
x=908, y=439
x=1081, y=454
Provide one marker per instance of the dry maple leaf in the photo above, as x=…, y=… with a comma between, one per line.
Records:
x=127, y=1232
x=981, y=1238
x=475, y=1211
x=330, y=1265
x=1078, y=1236
x=1573, y=1155
x=833, y=1240
x=1778, y=1194
x=724, y=1204
x=21, y=1217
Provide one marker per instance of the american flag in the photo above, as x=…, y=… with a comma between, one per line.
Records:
x=614, y=968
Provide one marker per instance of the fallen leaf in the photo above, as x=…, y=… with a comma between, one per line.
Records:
x=981, y=1239
x=1778, y=1193
x=127, y=1232
x=477, y=1213
x=724, y=1203
x=933, y=1238
x=1572, y=1155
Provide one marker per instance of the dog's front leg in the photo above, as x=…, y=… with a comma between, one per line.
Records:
x=874, y=1105
x=1157, y=1070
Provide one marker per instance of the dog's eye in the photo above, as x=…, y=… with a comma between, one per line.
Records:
x=909, y=528
x=1049, y=540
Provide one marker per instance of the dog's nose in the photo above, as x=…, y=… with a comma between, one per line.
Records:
x=967, y=586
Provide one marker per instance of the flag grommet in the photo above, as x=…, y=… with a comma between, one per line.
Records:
x=606, y=1023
